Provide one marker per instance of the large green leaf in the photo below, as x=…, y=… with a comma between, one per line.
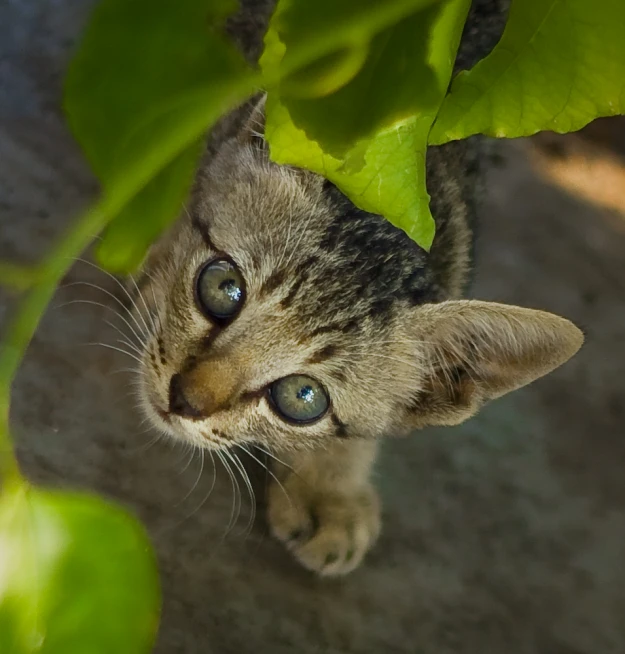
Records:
x=310, y=31
x=376, y=158
x=150, y=77
x=395, y=82
x=559, y=65
x=142, y=220
x=77, y=576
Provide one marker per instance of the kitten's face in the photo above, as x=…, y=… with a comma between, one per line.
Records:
x=269, y=328
x=286, y=317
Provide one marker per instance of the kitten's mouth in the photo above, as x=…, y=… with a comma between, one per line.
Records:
x=158, y=409
x=176, y=426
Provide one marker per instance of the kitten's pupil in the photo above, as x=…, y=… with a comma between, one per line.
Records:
x=306, y=393
x=232, y=290
x=219, y=289
x=299, y=398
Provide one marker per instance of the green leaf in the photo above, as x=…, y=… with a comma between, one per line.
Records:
x=559, y=65
x=378, y=161
x=356, y=83
x=141, y=221
x=394, y=83
x=150, y=77
x=77, y=576
x=302, y=32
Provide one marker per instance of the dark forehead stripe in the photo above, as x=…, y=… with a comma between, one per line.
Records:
x=273, y=282
x=302, y=271
x=204, y=232
x=342, y=327
x=360, y=268
x=379, y=260
x=287, y=301
x=323, y=354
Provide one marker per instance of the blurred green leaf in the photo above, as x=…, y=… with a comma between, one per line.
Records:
x=150, y=77
x=142, y=220
x=77, y=576
x=302, y=32
x=366, y=75
x=377, y=161
x=559, y=65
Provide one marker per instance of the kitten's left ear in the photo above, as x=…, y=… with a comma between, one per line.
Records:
x=472, y=352
x=253, y=128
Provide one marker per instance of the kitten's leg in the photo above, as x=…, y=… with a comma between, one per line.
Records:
x=325, y=508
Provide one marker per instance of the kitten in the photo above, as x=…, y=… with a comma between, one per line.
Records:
x=289, y=318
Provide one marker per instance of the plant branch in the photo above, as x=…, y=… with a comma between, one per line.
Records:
x=22, y=328
x=20, y=331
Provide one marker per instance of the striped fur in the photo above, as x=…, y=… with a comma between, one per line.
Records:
x=343, y=296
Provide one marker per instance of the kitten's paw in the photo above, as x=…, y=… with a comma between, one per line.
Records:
x=329, y=533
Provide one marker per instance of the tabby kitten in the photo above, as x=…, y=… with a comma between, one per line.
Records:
x=287, y=317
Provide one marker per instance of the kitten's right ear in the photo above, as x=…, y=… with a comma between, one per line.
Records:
x=253, y=128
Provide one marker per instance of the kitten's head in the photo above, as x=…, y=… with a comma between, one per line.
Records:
x=285, y=316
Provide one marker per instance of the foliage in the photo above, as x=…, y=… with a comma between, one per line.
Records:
x=148, y=80
x=356, y=90
x=377, y=156
x=76, y=576
x=558, y=66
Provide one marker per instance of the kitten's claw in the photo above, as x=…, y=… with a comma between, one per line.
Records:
x=328, y=533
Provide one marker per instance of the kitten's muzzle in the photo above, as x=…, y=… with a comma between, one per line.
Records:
x=200, y=391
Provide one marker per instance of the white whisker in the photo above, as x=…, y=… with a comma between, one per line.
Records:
x=137, y=346
x=270, y=472
x=140, y=294
x=250, y=489
x=116, y=280
x=228, y=454
x=227, y=467
x=104, y=306
x=192, y=451
x=199, y=475
x=133, y=371
x=210, y=490
x=116, y=299
x=275, y=458
x=117, y=349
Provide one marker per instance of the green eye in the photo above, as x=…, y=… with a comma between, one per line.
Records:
x=299, y=398
x=219, y=289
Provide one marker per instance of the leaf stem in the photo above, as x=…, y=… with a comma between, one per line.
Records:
x=49, y=273
x=21, y=329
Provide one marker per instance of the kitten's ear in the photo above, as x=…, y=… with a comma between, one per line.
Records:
x=473, y=352
x=253, y=128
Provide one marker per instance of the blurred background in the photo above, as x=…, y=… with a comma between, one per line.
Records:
x=506, y=534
